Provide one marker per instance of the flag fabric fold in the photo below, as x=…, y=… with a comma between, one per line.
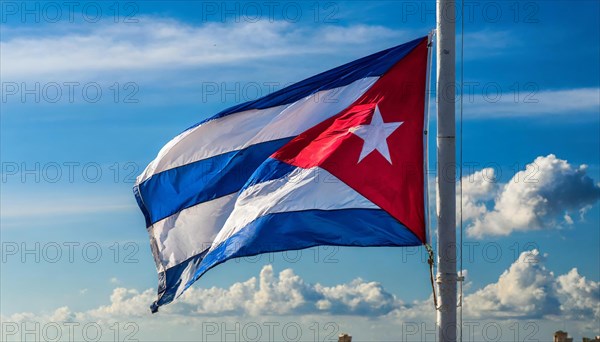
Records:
x=336, y=159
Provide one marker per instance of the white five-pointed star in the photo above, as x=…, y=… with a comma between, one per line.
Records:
x=375, y=135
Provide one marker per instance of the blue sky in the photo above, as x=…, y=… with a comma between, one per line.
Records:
x=533, y=98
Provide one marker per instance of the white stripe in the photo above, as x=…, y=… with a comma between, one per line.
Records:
x=187, y=275
x=302, y=189
x=240, y=130
x=190, y=231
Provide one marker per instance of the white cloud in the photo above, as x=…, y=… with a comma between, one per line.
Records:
x=486, y=43
x=580, y=297
x=526, y=290
x=23, y=211
x=62, y=314
x=158, y=50
x=124, y=302
x=530, y=101
x=541, y=197
x=478, y=188
x=529, y=290
x=63, y=208
x=162, y=45
x=359, y=34
x=359, y=297
x=282, y=294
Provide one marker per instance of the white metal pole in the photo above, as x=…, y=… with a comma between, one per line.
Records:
x=446, y=172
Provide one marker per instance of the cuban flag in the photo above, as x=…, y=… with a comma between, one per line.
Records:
x=336, y=159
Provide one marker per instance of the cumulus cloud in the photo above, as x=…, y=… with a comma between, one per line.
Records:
x=478, y=188
x=124, y=302
x=527, y=289
x=544, y=196
x=580, y=297
x=285, y=293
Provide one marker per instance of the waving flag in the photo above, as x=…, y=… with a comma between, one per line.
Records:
x=336, y=159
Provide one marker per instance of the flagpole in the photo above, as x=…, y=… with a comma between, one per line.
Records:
x=446, y=170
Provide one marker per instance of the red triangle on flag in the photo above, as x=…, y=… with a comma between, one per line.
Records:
x=376, y=145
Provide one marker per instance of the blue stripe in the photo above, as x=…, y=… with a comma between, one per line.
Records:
x=171, y=191
x=140, y=203
x=169, y=280
x=269, y=170
x=373, y=65
x=303, y=229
